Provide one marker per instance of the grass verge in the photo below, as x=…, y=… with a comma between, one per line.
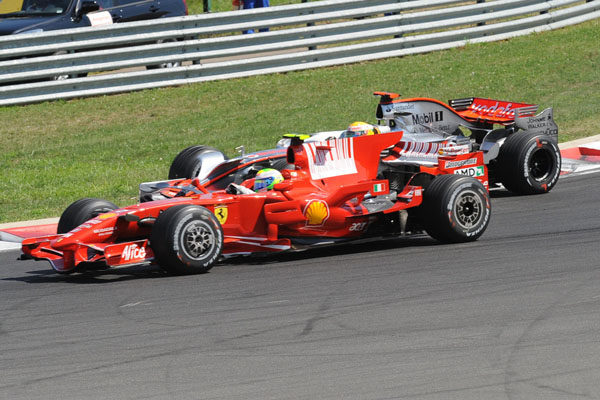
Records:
x=197, y=6
x=54, y=153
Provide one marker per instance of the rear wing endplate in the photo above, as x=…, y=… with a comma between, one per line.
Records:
x=543, y=123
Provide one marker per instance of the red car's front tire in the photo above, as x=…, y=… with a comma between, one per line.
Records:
x=187, y=239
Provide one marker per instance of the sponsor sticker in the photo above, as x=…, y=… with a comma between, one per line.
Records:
x=316, y=212
x=460, y=163
x=104, y=231
x=428, y=118
x=358, y=226
x=454, y=150
x=495, y=109
x=473, y=172
x=133, y=252
x=401, y=107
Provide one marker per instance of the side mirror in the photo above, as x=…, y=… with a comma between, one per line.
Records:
x=282, y=186
x=87, y=6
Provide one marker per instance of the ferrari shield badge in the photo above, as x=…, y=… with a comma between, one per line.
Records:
x=221, y=212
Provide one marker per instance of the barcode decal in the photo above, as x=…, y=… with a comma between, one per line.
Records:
x=331, y=158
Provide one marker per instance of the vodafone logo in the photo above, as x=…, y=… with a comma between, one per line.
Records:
x=133, y=252
x=500, y=111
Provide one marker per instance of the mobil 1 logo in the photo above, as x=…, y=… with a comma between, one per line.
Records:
x=428, y=118
x=473, y=172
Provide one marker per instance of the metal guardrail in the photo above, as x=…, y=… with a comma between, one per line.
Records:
x=308, y=35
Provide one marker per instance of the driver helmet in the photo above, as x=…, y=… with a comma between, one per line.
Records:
x=267, y=178
x=359, y=128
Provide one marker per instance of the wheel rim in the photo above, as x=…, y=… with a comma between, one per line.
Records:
x=540, y=165
x=468, y=209
x=197, y=240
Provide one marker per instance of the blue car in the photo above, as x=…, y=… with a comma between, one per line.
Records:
x=29, y=16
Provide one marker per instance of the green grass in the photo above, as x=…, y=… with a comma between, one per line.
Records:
x=197, y=6
x=54, y=153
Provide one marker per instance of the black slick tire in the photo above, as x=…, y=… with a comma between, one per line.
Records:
x=529, y=163
x=187, y=239
x=188, y=163
x=455, y=209
x=81, y=211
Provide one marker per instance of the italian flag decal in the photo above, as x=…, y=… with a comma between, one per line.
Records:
x=379, y=188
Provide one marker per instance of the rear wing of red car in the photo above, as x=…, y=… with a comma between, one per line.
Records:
x=341, y=161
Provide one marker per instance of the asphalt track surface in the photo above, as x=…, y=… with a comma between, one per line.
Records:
x=515, y=315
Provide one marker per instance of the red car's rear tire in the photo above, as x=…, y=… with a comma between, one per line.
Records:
x=455, y=209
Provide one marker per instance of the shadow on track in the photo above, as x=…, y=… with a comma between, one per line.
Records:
x=502, y=194
x=108, y=275
x=92, y=276
x=336, y=250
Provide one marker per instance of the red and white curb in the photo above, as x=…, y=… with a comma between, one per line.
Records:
x=582, y=159
x=11, y=235
x=578, y=157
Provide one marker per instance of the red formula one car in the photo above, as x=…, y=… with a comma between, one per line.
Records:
x=332, y=194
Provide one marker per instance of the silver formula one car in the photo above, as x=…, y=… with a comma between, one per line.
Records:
x=519, y=147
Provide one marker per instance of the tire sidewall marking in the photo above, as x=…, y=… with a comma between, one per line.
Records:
x=482, y=223
x=179, y=249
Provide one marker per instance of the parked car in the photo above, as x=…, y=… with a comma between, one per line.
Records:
x=30, y=16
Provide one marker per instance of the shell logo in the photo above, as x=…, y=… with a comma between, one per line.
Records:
x=316, y=212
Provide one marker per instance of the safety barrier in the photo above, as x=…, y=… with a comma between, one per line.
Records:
x=210, y=46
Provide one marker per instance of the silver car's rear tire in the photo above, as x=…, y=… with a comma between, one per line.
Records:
x=195, y=161
x=81, y=211
x=529, y=163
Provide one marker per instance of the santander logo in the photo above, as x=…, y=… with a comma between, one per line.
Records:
x=133, y=252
